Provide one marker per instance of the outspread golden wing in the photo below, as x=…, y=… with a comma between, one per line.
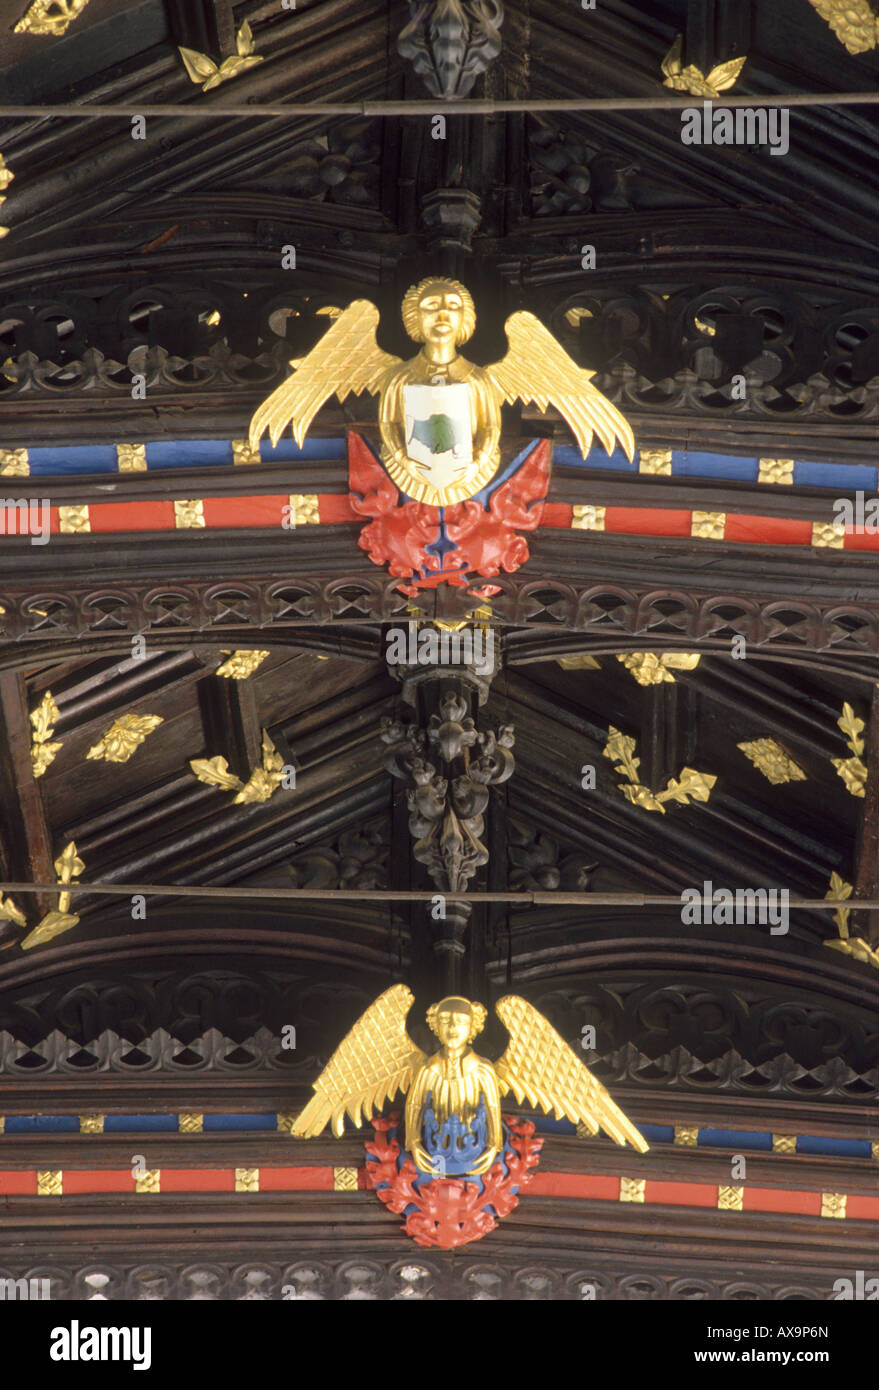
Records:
x=347, y=360
x=538, y=369
x=371, y=1064
x=538, y=1066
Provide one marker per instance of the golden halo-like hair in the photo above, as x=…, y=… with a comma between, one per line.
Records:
x=414, y=295
x=454, y=1004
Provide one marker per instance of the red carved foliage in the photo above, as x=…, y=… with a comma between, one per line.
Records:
x=397, y=535
x=478, y=540
x=450, y=1211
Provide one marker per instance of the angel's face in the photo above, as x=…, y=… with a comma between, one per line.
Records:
x=441, y=315
x=453, y=1028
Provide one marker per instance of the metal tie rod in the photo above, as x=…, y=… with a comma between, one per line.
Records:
x=477, y=107
x=358, y=895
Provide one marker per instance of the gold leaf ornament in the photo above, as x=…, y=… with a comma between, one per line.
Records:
x=652, y=668
x=199, y=66
x=840, y=889
x=260, y=786
x=10, y=913
x=6, y=177
x=14, y=463
x=68, y=866
x=124, y=736
x=857, y=948
x=264, y=781
x=853, y=773
x=854, y=946
x=852, y=770
x=690, y=785
x=208, y=74
x=55, y=923
x=583, y=662
x=49, y=17
x=214, y=772
x=854, y=22
x=777, y=766
x=43, y=718
x=241, y=664
x=691, y=79
x=853, y=728
x=620, y=748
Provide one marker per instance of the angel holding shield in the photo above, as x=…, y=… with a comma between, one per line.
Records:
x=440, y=415
x=456, y=1091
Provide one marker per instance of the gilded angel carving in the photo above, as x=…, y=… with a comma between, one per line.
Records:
x=440, y=415
x=453, y=1097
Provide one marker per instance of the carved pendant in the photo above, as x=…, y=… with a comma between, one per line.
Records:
x=444, y=1212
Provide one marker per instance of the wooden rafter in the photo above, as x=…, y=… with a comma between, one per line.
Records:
x=231, y=722
x=208, y=26
x=866, y=873
x=23, y=829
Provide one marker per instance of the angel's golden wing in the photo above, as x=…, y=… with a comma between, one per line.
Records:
x=538, y=369
x=371, y=1064
x=538, y=1066
x=347, y=360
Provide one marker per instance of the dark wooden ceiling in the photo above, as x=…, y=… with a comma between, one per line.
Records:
x=121, y=248
x=118, y=245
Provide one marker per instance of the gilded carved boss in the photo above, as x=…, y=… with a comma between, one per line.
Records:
x=440, y=421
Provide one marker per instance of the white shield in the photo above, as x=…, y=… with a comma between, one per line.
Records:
x=439, y=432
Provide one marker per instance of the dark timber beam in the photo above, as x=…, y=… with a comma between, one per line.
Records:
x=717, y=30
x=26, y=843
x=208, y=26
x=231, y=723
x=667, y=733
x=866, y=875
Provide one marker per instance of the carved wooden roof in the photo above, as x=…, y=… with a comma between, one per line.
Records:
x=162, y=257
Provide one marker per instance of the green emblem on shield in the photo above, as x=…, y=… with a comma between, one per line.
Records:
x=439, y=431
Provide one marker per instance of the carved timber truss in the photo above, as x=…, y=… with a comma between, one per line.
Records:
x=144, y=298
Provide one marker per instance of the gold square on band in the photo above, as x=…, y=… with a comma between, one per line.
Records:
x=632, y=1189
x=708, y=526
x=73, y=521
x=729, y=1198
x=588, y=518
x=655, y=461
x=188, y=514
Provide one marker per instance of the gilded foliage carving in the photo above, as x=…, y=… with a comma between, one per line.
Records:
x=620, y=749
